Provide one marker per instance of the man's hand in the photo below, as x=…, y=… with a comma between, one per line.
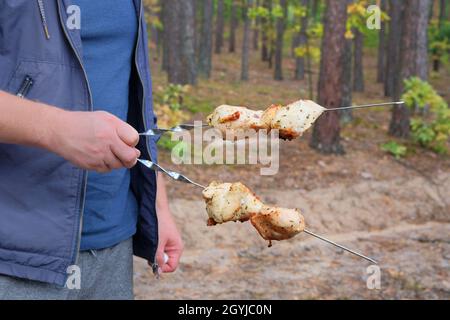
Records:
x=169, y=237
x=95, y=141
x=91, y=140
x=169, y=242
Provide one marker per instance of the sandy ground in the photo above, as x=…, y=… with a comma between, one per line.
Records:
x=404, y=223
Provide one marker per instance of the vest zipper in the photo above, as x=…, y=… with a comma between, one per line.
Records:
x=43, y=18
x=154, y=264
x=84, y=186
x=25, y=87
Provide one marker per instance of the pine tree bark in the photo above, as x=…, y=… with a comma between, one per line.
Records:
x=326, y=133
x=256, y=30
x=393, y=51
x=413, y=60
x=347, y=92
x=280, y=26
x=165, y=17
x=172, y=39
x=220, y=25
x=302, y=39
x=381, y=63
x=188, y=61
x=233, y=27
x=264, y=36
x=246, y=42
x=205, y=52
x=358, y=67
x=180, y=37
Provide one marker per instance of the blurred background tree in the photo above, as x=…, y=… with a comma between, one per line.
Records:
x=296, y=44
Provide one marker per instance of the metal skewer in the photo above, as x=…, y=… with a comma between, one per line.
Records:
x=179, y=177
x=174, y=175
x=339, y=246
x=178, y=128
x=367, y=106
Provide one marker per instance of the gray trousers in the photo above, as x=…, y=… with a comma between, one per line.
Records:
x=105, y=275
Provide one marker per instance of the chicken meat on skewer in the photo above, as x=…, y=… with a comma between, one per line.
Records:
x=226, y=202
x=291, y=120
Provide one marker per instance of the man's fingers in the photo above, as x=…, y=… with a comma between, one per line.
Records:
x=113, y=162
x=127, y=155
x=160, y=259
x=128, y=134
x=172, y=263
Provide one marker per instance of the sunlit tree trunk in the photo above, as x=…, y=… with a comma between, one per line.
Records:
x=326, y=134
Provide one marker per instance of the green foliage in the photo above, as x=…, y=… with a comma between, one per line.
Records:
x=432, y=131
x=439, y=39
x=395, y=149
x=169, y=105
x=166, y=142
x=152, y=10
x=357, y=18
x=173, y=96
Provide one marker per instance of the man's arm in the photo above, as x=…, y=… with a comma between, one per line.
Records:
x=91, y=140
x=169, y=237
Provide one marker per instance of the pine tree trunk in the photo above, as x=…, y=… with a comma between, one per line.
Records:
x=412, y=57
x=358, y=67
x=264, y=36
x=381, y=64
x=233, y=27
x=205, y=52
x=165, y=34
x=180, y=34
x=422, y=39
x=442, y=12
x=302, y=38
x=393, y=51
x=326, y=134
x=220, y=24
x=256, y=30
x=246, y=42
x=347, y=92
x=280, y=25
x=172, y=39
